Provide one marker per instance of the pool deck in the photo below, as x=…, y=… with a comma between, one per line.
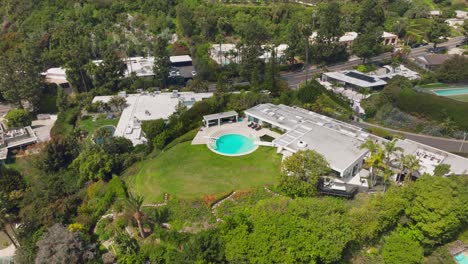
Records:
x=205, y=133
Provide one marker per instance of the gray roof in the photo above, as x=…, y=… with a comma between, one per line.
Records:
x=219, y=115
x=356, y=78
x=433, y=59
x=339, y=149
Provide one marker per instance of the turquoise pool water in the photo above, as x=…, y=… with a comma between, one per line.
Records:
x=234, y=144
x=461, y=259
x=448, y=92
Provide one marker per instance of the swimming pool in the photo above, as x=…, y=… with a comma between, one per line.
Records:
x=234, y=145
x=449, y=92
x=461, y=259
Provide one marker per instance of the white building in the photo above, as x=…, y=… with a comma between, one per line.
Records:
x=140, y=66
x=340, y=143
x=455, y=22
x=348, y=38
x=224, y=54
x=460, y=14
x=149, y=106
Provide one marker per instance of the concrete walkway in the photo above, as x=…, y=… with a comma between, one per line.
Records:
x=7, y=252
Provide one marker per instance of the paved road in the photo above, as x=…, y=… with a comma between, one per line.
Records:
x=447, y=144
x=295, y=78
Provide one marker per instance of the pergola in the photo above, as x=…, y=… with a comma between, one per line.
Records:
x=216, y=119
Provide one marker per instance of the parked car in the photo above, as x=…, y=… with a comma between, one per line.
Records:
x=437, y=50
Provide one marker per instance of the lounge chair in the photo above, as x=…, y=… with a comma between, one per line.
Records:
x=254, y=126
x=258, y=128
x=251, y=124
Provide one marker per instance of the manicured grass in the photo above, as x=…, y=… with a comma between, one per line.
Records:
x=191, y=171
x=463, y=97
x=87, y=123
x=434, y=85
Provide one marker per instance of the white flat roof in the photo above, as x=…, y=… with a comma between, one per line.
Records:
x=431, y=157
x=219, y=115
x=141, y=107
x=342, y=76
x=339, y=149
x=180, y=58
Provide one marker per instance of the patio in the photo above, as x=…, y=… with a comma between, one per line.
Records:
x=241, y=127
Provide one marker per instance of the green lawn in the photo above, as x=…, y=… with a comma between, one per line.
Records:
x=87, y=123
x=188, y=171
x=436, y=85
x=463, y=97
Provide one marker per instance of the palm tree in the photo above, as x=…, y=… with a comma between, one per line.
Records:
x=3, y=223
x=375, y=159
x=390, y=150
x=118, y=102
x=133, y=205
x=411, y=164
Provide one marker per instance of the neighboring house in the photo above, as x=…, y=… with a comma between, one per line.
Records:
x=13, y=138
x=224, y=54
x=140, y=66
x=460, y=14
x=354, y=79
x=348, y=38
x=431, y=61
x=455, y=22
x=149, y=106
x=434, y=13
x=389, y=39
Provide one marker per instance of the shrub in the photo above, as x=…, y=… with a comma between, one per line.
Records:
x=18, y=118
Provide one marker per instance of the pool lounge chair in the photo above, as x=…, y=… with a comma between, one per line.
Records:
x=258, y=128
x=251, y=124
x=254, y=126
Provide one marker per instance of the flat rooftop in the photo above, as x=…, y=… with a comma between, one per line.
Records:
x=289, y=117
x=430, y=157
x=149, y=106
x=339, y=149
x=356, y=78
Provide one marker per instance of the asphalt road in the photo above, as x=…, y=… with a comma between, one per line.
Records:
x=295, y=78
x=447, y=144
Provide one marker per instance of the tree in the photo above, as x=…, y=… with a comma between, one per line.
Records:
x=399, y=248
x=58, y=154
x=12, y=187
x=93, y=164
x=453, y=70
x=442, y=169
x=107, y=74
x=62, y=100
x=118, y=102
x=437, y=31
x=133, y=205
x=152, y=128
x=311, y=230
x=58, y=245
x=411, y=165
x=300, y=173
x=465, y=30
x=197, y=85
x=18, y=118
x=376, y=159
x=437, y=209
x=20, y=80
x=368, y=43
x=161, y=62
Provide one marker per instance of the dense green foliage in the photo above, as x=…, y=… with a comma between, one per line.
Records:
x=447, y=114
x=73, y=182
x=18, y=118
x=301, y=172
